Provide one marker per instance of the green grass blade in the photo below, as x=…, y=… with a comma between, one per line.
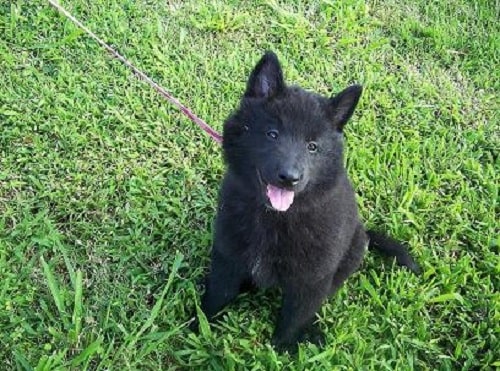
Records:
x=78, y=308
x=447, y=297
x=87, y=353
x=54, y=289
x=67, y=262
x=158, y=305
x=203, y=323
x=104, y=358
x=371, y=290
x=21, y=362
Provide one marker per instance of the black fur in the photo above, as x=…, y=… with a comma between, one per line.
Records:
x=289, y=139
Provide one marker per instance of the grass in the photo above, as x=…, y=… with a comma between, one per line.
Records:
x=107, y=193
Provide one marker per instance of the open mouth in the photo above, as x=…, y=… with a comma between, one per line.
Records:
x=280, y=198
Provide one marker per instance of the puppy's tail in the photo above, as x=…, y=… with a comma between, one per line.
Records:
x=392, y=248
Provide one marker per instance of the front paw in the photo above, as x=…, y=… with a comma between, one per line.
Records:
x=284, y=345
x=290, y=344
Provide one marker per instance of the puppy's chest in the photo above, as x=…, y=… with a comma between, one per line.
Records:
x=278, y=251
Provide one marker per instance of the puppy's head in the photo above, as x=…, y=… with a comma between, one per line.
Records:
x=283, y=141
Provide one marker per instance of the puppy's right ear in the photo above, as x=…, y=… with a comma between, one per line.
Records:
x=266, y=80
x=342, y=105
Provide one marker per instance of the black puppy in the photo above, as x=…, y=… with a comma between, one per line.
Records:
x=287, y=212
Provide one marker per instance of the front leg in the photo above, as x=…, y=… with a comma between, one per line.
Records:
x=226, y=279
x=300, y=304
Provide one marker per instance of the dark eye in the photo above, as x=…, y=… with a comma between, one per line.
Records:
x=273, y=134
x=312, y=147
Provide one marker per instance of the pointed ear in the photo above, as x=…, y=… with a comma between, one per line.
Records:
x=343, y=104
x=266, y=80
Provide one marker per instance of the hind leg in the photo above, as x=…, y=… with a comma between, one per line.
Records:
x=351, y=260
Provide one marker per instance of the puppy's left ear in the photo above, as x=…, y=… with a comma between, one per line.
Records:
x=342, y=105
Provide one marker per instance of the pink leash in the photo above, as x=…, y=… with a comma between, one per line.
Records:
x=186, y=111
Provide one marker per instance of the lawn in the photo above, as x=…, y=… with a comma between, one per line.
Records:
x=108, y=193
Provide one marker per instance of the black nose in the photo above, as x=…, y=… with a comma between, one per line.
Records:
x=289, y=177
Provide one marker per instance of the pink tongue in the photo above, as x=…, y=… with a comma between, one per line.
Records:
x=281, y=199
